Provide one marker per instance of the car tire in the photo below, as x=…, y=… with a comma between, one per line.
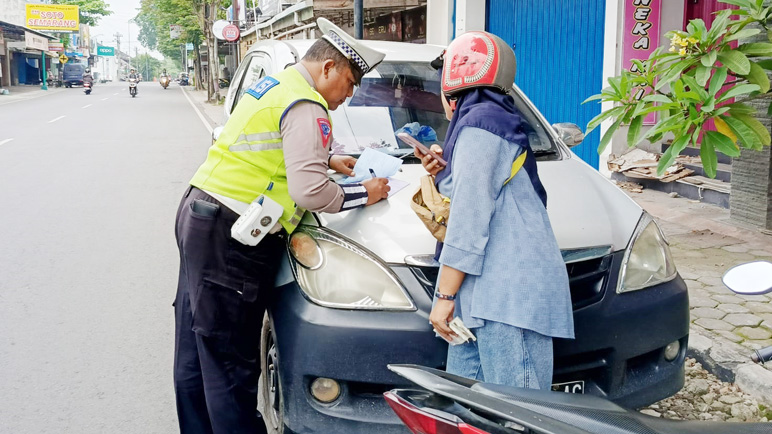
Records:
x=270, y=400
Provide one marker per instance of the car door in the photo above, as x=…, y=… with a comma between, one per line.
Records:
x=258, y=65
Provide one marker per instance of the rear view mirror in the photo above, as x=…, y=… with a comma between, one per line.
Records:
x=752, y=278
x=216, y=133
x=569, y=133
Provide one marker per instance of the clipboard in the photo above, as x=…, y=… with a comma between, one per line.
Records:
x=413, y=143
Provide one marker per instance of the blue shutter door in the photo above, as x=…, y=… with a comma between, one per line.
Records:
x=559, y=49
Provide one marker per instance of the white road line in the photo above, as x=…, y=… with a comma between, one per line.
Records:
x=3, y=142
x=200, y=116
x=54, y=120
x=87, y=105
x=105, y=99
x=115, y=94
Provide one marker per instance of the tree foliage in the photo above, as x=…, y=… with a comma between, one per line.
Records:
x=90, y=11
x=148, y=66
x=701, y=78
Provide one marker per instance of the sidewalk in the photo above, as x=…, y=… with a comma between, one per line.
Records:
x=214, y=113
x=726, y=327
x=22, y=92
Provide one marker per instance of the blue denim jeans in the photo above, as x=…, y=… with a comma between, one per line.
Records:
x=504, y=354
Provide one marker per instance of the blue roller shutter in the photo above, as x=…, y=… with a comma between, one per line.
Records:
x=559, y=48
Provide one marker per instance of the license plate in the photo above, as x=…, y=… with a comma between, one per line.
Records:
x=569, y=387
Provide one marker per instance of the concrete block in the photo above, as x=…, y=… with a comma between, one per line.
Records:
x=755, y=381
x=713, y=324
x=743, y=319
x=706, y=312
x=754, y=333
x=733, y=308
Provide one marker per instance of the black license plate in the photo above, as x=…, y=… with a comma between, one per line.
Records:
x=569, y=387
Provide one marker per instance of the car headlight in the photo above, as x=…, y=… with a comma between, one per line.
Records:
x=647, y=261
x=335, y=272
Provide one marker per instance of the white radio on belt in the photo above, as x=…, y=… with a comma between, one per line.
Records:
x=257, y=221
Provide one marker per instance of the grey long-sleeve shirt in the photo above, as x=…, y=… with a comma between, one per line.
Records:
x=307, y=136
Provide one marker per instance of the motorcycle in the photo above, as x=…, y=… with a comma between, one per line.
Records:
x=133, y=87
x=449, y=404
x=164, y=82
x=87, y=88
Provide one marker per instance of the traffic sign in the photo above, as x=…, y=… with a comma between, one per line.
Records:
x=63, y=58
x=230, y=33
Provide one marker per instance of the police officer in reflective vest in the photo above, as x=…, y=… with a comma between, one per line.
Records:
x=276, y=144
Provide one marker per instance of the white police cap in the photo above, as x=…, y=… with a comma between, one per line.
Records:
x=363, y=57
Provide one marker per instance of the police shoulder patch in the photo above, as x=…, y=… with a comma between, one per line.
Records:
x=325, y=129
x=260, y=88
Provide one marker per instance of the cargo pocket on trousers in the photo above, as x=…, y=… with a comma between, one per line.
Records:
x=219, y=309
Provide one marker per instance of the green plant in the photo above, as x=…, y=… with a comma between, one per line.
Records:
x=695, y=82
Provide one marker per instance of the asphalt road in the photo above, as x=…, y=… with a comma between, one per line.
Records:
x=89, y=187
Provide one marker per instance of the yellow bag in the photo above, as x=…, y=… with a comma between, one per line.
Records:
x=434, y=209
x=431, y=207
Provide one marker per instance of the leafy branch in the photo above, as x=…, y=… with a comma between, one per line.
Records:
x=701, y=78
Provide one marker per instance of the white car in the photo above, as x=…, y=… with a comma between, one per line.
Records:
x=331, y=330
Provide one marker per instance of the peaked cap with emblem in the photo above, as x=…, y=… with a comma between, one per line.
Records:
x=364, y=58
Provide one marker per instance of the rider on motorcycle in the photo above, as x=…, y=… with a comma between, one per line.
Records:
x=134, y=76
x=87, y=77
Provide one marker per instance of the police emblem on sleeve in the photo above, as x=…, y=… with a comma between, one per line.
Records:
x=260, y=88
x=325, y=129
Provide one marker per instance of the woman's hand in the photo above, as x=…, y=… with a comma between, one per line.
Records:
x=442, y=314
x=343, y=164
x=430, y=164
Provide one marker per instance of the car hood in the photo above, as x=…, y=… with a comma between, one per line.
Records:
x=585, y=209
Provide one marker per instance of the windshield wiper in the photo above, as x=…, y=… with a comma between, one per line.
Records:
x=543, y=152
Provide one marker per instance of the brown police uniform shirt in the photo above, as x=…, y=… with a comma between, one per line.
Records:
x=306, y=153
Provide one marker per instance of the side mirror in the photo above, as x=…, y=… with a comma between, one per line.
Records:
x=752, y=278
x=569, y=133
x=216, y=133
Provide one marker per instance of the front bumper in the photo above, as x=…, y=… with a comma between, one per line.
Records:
x=618, y=351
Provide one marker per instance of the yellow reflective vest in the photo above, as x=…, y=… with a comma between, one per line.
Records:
x=247, y=160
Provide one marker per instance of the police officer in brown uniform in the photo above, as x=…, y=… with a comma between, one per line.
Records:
x=276, y=145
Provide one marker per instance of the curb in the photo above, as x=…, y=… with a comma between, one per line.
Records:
x=730, y=362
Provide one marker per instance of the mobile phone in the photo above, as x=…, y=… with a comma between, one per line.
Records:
x=413, y=143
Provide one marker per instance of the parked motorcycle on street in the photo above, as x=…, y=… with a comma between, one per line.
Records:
x=449, y=404
x=133, y=87
x=753, y=278
x=87, y=88
x=164, y=81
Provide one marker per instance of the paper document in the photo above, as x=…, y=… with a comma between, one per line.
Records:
x=382, y=164
x=396, y=185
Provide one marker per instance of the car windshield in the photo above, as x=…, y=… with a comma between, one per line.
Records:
x=405, y=97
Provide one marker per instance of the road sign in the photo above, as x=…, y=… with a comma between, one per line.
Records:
x=230, y=33
x=63, y=58
x=105, y=51
x=189, y=46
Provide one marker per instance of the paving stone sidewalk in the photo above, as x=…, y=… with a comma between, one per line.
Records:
x=705, y=243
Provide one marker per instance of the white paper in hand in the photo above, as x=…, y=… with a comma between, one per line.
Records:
x=382, y=164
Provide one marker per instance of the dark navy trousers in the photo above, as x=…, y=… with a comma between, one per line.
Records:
x=221, y=299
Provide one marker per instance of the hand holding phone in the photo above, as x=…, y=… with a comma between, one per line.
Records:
x=415, y=144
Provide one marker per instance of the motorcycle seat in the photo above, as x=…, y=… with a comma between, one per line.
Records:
x=599, y=416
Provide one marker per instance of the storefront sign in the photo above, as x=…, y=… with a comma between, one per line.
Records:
x=35, y=42
x=60, y=18
x=385, y=28
x=56, y=46
x=105, y=51
x=175, y=31
x=230, y=33
x=642, y=27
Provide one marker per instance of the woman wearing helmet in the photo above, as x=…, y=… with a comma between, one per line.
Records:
x=501, y=270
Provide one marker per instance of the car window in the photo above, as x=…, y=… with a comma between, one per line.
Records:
x=259, y=66
x=405, y=97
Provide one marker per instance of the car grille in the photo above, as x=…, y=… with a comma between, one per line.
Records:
x=587, y=279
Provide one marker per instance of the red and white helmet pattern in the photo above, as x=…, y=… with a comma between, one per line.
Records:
x=478, y=59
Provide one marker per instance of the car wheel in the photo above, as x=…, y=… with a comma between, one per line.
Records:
x=269, y=386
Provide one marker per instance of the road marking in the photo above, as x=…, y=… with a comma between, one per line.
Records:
x=115, y=93
x=105, y=99
x=3, y=142
x=87, y=106
x=200, y=116
x=54, y=120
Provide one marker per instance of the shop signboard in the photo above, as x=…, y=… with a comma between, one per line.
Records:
x=35, y=42
x=56, y=47
x=105, y=51
x=385, y=28
x=59, y=18
x=642, y=27
x=175, y=31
